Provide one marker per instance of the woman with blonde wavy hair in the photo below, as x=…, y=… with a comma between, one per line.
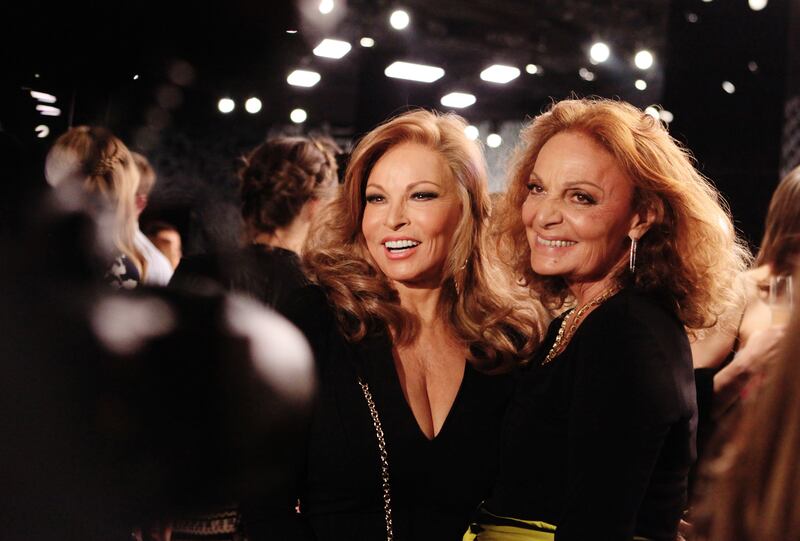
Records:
x=605, y=215
x=405, y=433
x=94, y=160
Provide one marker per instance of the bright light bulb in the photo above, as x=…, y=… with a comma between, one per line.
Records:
x=367, y=42
x=599, y=52
x=326, y=6
x=252, y=105
x=493, y=140
x=458, y=100
x=643, y=60
x=471, y=132
x=226, y=105
x=728, y=87
x=399, y=19
x=640, y=84
x=757, y=5
x=298, y=116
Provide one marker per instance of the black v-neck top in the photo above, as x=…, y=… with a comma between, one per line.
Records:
x=599, y=441
x=435, y=484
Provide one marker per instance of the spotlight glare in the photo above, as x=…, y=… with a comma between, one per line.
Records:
x=399, y=19
x=325, y=6
x=533, y=69
x=43, y=97
x=304, y=78
x=291, y=31
x=599, y=52
x=666, y=116
x=757, y=5
x=643, y=59
x=500, y=74
x=226, y=105
x=640, y=84
x=493, y=140
x=367, y=42
x=252, y=105
x=298, y=116
x=652, y=111
x=728, y=87
x=414, y=72
x=471, y=132
x=332, y=48
x=42, y=131
x=48, y=110
x=458, y=100
x=586, y=75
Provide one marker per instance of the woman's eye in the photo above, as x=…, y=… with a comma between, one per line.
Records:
x=374, y=198
x=584, y=198
x=424, y=196
x=535, y=188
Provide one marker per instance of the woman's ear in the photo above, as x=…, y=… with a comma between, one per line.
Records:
x=641, y=223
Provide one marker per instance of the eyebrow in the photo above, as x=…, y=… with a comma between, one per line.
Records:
x=410, y=187
x=571, y=184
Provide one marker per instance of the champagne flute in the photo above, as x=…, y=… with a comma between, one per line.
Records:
x=781, y=299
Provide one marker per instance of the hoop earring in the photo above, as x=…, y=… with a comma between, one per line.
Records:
x=632, y=256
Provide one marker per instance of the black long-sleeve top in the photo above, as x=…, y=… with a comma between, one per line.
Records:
x=599, y=441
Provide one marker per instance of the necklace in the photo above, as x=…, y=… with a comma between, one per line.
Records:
x=564, y=333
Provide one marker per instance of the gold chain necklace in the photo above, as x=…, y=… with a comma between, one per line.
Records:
x=561, y=337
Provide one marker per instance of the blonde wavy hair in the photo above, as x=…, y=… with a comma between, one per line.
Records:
x=94, y=159
x=691, y=251
x=492, y=315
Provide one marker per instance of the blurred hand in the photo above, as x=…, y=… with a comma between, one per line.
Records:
x=758, y=355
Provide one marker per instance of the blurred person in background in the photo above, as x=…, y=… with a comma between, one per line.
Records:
x=159, y=269
x=167, y=239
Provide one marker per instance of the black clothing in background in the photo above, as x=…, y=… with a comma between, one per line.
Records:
x=265, y=273
x=435, y=484
x=599, y=442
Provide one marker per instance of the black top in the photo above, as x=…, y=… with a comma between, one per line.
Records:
x=265, y=273
x=435, y=484
x=599, y=441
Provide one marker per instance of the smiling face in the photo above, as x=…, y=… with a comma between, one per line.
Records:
x=411, y=214
x=579, y=212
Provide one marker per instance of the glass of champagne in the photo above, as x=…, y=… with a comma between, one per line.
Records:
x=781, y=299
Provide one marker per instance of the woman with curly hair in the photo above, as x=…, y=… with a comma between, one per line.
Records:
x=283, y=182
x=410, y=322
x=92, y=159
x=606, y=216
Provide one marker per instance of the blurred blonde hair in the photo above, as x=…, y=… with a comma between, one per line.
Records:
x=691, y=251
x=486, y=310
x=94, y=159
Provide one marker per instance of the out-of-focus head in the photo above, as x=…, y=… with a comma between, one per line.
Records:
x=281, y=175
x=780, y=246
x=687, y=248
x=147, y=179
x=167, y=239
x=398, y=156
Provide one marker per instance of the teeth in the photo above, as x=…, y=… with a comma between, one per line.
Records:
x=397, y=244
x=555, y=243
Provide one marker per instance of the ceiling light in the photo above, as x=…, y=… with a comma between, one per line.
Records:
x=640, y=84
x=252, y=105
x=493, y=140
x=226, y=105
x=471, y=132
x=499, y=73
x=586, y=75
x=42, y=131
x=643, y=59
x=728, y=87
x=367, y=42
x=533, y=69
x=48, y=110
x=666, y=116
x=325, y=6
x=757, y=5
x=414, y=72
x=399, y=19
x=458, y=100
x=303, y=78
x=652, y=111
x=332, y=48
x=599, y=52
x=43, y=97
x=298, y=116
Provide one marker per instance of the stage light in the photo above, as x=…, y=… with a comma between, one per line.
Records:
x=48, y=110
x=298, y=116
x=42, y=131
x=643, y=59
x=471, y=132
x=498, y=73
x=367, y=42
x=653, y=112
x=666, y=116
x=252, y=105
x=326, y=6
x=332, y=48
x=303, y=78
x=226, y=105
x=757, y=5
x=291, y=31
x=493, y=140
x=533, y=69
x=43, y=97
x=136, y=77
x=640, y=84
x=586, y=75
x=728, y=87
x=414, y=72
x=599, y=52
x=399, y=19
x=458, y=100
x=752, y=66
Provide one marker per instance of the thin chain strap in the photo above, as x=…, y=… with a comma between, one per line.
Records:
x=384, y=456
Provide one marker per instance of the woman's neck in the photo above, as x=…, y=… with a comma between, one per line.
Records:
x=423, y=302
